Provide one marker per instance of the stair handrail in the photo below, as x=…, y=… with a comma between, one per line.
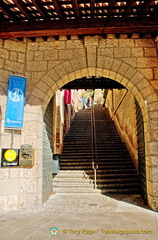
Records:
x=94, y=145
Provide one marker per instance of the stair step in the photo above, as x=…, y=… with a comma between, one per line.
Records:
x=71, y=180
x=104, y=181
x=116, y=172
x=117, y=186
x=114, y=176
x=74, y=190
x=102, y=168
x=71, y=173
x=123, y=165
x=99, y=149
x=99, y=154
x=88, y=158
x=120, y=191
x=114, y=164
x=106, y=169
x=66, y=185
x=107, y=161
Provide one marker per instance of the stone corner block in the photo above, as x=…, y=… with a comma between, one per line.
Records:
x=88, y=40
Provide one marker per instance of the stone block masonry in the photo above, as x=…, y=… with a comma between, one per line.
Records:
x=50, y=64
x=47, y=153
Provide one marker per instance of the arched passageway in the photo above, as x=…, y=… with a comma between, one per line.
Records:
x=143, y=179
x=124, y=117
x=50, y=65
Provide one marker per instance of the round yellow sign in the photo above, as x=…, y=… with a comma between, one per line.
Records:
x=10, y=155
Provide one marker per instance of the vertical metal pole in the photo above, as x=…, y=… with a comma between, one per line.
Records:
x=93, y=164
x=95, y=178
x=95, y=175
x=94, y=150
x=12, y=138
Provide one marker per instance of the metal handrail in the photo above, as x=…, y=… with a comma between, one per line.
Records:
x=94, y=145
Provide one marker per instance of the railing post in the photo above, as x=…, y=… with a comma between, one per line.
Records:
x=95, y=174
x=94, y=147
x=95, y=178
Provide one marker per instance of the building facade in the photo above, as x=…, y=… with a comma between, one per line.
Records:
x=48, y=65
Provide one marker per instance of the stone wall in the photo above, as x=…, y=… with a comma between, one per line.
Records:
x=50, y=64
x=69, y=114
x=12, y=60
x=125, y=119
x=47, y=152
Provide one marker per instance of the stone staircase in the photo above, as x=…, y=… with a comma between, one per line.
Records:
x=73, y=182
x=115, y=174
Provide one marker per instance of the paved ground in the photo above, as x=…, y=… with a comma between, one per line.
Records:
x=82, y=217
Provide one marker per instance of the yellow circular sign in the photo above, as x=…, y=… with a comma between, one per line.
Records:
x=10, y=155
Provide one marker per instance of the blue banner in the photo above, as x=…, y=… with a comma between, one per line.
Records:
x=15, y=102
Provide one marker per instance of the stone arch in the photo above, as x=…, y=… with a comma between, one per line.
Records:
x=58, y=76
x=70, y=70
x=131, y=78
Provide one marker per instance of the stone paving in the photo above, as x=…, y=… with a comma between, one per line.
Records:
x=89, y=216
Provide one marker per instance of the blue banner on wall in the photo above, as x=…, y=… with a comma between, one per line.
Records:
x=15, y=102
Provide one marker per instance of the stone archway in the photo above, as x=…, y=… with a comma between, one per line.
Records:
x=49, y=65
x=135, y=82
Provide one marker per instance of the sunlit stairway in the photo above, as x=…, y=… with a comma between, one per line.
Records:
x=73, y=181
x=115, y=174
x=76, y=158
